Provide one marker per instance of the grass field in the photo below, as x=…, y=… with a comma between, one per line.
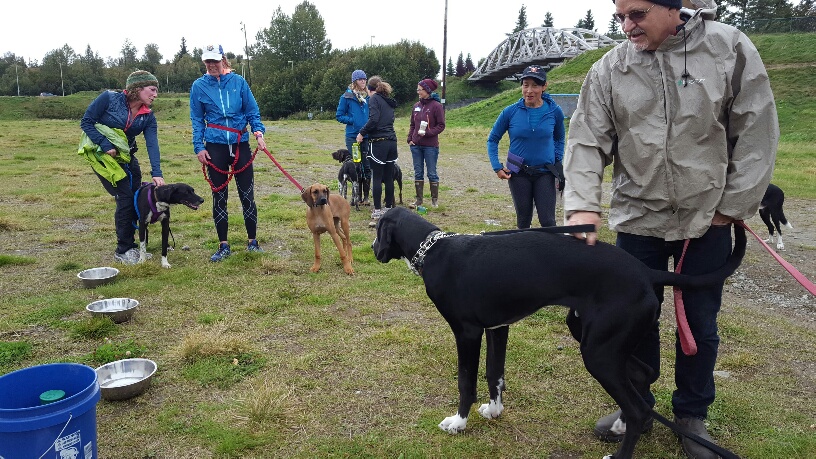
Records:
x=259, y=358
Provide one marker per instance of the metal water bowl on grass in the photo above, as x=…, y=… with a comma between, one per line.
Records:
x=124, y=379
x=117, y=309
x=97, y=276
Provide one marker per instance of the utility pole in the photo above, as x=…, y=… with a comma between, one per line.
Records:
x=18, y=79
x=445, y=53
x=372, y=40
x=62, y=82
x=246, y=49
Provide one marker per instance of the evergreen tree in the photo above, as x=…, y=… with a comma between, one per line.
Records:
x=151, y=59
x=588, y=22
x=469, y=67
x=183, y=51
x=614, y=28
x=451, y=70
x=805, y=8
x=460, y=65
x=548, y=20
x=128, y=59
x=521, y=22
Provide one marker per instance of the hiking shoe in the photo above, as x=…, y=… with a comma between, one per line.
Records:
x=375, y=216
x=611, y=428
x=254, y=247
x=131, y=257
x=223, y=252
x=693, y=449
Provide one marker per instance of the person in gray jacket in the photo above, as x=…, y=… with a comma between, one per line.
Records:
x=683, y=110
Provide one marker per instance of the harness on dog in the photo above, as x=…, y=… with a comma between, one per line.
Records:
x=415, y=265
x=154, y=217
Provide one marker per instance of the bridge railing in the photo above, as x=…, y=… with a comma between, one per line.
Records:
x=567, y=102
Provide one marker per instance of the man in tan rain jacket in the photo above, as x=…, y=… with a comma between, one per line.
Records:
x=683, y=110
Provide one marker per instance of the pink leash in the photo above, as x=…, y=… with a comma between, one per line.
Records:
x=291, y=179
x=806, y=283
x=687, y=342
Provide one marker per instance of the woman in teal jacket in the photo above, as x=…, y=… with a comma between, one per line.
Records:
x=129, y=111
x=352, y=110
x=221, y=107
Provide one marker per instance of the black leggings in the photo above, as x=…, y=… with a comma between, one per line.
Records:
x=220, y=157
x=382, y=156
x=528, y=190
x=125, y=216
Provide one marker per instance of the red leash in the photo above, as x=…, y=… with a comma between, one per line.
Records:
x=231, y=173
x=300, y=188
x=809, y=286
x=228, y=173
x=687, y=342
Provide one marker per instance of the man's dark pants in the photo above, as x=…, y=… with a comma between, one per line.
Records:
x=694, y=376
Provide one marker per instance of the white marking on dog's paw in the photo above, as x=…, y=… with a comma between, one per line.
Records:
x=609, y=456
x=619, y=427
x=165, y=263
x=453, y=424
x=491, y=410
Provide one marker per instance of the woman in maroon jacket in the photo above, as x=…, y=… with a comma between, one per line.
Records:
x=427, y=122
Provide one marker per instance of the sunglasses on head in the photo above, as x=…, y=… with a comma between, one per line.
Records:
x=634, y=16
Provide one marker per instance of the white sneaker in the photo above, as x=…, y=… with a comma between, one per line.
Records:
x=131, y=257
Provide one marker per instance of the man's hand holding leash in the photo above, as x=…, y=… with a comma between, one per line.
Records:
x=583, y=217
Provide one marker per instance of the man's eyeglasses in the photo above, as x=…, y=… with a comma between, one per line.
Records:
x=634, y=16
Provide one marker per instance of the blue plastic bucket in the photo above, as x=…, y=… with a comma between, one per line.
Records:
x=65, y=429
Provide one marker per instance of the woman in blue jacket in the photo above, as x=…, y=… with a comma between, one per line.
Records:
x=221, y=107
x=352, y=110
x=129, y=111
x=535, y=125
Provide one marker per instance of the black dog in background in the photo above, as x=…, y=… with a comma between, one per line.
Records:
x=483, y=283
x=349, y=173
x=153, y=205
x=360, y=184
x=770, y=209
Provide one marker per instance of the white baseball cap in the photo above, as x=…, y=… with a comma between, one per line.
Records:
x=214, y=52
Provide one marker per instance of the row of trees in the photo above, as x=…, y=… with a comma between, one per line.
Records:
x=748, y=15
x=293, y=66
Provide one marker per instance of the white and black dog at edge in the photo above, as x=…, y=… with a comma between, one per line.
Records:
x=483, y=283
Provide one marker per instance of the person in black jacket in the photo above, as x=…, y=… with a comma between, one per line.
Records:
x=383, y=143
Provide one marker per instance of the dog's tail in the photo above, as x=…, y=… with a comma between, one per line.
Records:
x=712, y=278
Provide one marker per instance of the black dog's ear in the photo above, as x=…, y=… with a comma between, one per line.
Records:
x=382, y=245
x=163, y=192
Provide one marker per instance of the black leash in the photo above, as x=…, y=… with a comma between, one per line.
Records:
x=724, y=453
x=547, y=229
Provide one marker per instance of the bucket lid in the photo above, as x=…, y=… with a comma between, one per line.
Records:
x=51, y=396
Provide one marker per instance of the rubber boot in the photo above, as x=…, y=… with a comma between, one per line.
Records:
x=366, y=189
x=435, y=194
x=419, y=185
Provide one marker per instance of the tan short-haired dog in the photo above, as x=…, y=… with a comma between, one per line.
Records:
x=328, y=212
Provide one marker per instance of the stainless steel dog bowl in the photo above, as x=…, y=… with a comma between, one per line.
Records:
x=126, y=378
x=118, y=309
x=97, y=276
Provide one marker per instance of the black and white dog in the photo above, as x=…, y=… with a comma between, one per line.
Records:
x=483, y=283
x=153, y=204
x=349, y=174
x=349, y=169
x=770, y=209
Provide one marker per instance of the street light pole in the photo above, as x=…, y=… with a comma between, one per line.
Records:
x=246, y=50
x=445, y=53
x=18, y=79
x=372, y=40
x=62, y=82
x=292, y=64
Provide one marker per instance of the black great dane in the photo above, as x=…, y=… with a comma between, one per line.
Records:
x=483, y=283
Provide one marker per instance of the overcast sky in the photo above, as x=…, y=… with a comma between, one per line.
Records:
x=33, y=29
